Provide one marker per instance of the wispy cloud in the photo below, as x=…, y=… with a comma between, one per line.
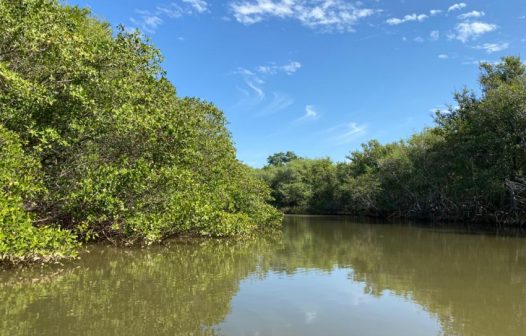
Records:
x=407, y=18
x=327, y=15
x=491, y=48
x=434, y=35
x=172, y=11
x=254, y=94
x=471, y=15
x=345, y=133
x=252, y=81
x=150, y=20
x=256, y=100
x=200, y=6
x=434, y=12
x=443, y=56
x=278, y=101
x=146, y=21
x=254, y=78
x=466, y=31
x=272, y=69
x=456, y=7
x=254, y=86
x=310, y=114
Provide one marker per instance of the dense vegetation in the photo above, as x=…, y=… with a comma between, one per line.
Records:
x=471, y=166
x=95, y=143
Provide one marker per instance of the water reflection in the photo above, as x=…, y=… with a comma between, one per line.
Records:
x=184, y=289
x=324, y=275
x=473, y=284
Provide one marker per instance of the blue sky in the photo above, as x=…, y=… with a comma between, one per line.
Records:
x=319, y=77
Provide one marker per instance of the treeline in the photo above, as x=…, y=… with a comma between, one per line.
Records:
x=471, y=166
x=95, y=143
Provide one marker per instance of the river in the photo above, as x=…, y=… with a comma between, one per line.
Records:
x=320, y=276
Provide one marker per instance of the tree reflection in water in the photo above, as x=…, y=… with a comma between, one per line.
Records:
x=473, y=284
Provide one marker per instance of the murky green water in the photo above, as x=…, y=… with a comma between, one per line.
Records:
x=324, y=276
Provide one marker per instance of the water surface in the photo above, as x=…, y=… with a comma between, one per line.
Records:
x=322, y=276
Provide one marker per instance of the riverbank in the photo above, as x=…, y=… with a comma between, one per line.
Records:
x=470, y=167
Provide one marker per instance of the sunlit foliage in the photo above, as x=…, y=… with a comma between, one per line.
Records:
x=117, y=153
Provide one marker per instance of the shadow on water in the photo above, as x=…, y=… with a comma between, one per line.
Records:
x=472, y=284
x=442, y=227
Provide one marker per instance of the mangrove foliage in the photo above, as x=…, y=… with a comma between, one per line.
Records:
x=96, y=144
x=471, y=166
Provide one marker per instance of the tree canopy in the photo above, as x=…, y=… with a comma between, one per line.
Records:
x=280, y=159
x=113, y=151
x=470, y=166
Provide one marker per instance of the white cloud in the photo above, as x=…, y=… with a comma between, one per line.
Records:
x=291, y=68
x=172, y=11
x=254, y=78
x=254, y=92
x=252, y=81
x=466, y=31
x=310, y=114
x=419, y=39
x=407, y=18
x=153, y=21
x=150, y=20
x=249, y=13
x=345, y=133
x=288, y=68
x=199, y=5
x=434, y=35
x=310, y=111
x=254, y=86
x=434, y=12
x=328, y=15
x=457, y=6
x=443, y=56
x=255, y=99
x=491, y=48
x=278, y=102
x=147, y=22
x=471, y=15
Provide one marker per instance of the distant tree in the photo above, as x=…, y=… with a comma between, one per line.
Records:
x=280, y=159
x=470, y=166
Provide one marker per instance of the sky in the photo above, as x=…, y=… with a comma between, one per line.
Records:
x=320, y=77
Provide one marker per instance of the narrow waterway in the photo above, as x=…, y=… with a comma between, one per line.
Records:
x=321, y=276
